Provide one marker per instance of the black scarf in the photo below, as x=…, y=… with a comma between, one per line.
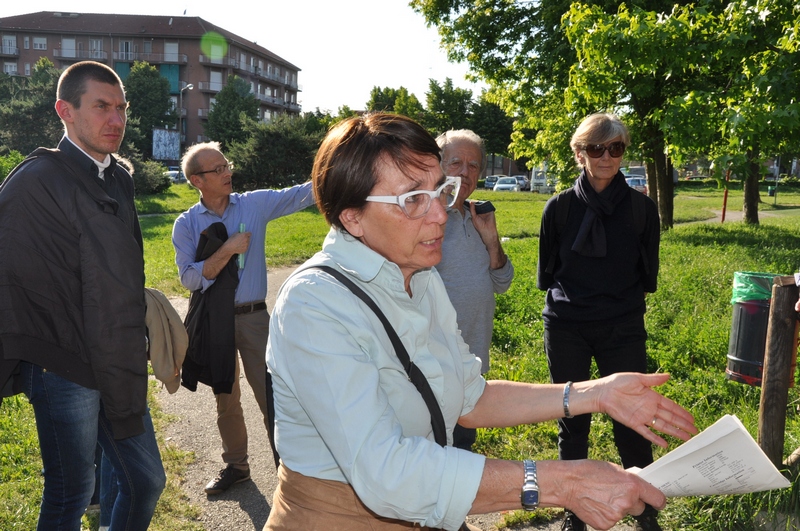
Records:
x=591, y=238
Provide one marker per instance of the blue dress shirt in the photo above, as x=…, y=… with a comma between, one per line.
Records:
x=255, y=209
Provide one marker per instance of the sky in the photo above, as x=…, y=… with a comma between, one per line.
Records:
x=343, y=48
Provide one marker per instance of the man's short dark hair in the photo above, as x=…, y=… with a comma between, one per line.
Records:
x=72, y=83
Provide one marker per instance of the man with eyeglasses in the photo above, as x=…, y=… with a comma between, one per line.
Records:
x=473, y=266
x=241, y=256
x=598, y=256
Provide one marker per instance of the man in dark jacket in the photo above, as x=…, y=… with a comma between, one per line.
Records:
x=72, y=308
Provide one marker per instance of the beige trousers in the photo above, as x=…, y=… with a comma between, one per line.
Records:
x=302, y=502
x=252, y=331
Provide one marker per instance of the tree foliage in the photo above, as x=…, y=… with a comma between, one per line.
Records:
x=234, y=105
x=148, y=93
x=448, y=107
x=688, y=78
x=492, y=124
x=276, y=154
x=27, y=111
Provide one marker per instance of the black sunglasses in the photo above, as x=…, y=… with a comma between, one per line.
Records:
x=615, y=149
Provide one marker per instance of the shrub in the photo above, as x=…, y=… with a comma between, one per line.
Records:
x=9, y=162
x=149, y=177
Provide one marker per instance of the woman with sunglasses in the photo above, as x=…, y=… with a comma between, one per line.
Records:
x=598, y=256
x=359, y=449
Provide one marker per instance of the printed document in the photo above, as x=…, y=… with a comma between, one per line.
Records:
x=722, y=459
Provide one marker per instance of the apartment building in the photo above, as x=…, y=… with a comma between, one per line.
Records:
x=193, y=54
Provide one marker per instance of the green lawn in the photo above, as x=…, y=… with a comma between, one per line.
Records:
x=688, y=322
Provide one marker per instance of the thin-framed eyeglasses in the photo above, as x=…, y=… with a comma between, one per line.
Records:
x=615, y=149
x=454, y=164
x=417, y=203
x=219, y=170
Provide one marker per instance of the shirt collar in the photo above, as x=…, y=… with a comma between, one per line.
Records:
x=101, y=166
x=362, y=262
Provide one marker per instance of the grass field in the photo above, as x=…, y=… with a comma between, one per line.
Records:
x=688, y=322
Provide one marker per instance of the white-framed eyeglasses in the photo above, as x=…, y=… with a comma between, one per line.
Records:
x=417, y=203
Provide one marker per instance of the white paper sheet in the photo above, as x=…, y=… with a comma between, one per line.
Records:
x=722, y=459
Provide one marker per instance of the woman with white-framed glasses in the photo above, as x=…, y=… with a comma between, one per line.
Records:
x=365, y=434
x=598, y=256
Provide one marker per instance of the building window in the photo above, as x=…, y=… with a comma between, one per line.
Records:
x=26, y=42
x=40, y=43
x=95, y=48
x=10, y=68
x=126, y=51
x=27, y=69
x=147, y=47
x=10, y=44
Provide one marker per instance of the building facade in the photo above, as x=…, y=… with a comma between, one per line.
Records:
x=196, y=57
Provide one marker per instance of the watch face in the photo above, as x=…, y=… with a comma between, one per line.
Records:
x=530, y=498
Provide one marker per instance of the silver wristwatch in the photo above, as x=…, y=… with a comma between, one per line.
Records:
x=530, y=489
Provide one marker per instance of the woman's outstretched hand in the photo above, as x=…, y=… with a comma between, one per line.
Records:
x=630, y=399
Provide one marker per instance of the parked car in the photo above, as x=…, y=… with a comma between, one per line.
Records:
x=506, y=183
x=490, y=181
x=637, y=183
x=176, y=176
x=541, y=184
x=524, y=183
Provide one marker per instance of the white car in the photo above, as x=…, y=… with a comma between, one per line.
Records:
x=507, y=184
x=176, y=176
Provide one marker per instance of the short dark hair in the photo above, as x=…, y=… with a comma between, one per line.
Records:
x=345, y=168
x=72, y=83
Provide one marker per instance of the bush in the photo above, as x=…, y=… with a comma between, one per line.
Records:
x=9, y=162
x=149, y=177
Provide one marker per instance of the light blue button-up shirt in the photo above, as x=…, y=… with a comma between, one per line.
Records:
x=255, y=209
x=345, y=409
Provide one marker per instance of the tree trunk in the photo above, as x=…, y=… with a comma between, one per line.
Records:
x=751, y=195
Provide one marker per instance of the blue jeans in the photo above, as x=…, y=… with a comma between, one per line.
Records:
x=71, y=422
x=618, y=348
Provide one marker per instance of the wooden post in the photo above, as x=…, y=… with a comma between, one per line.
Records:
x=780, y=348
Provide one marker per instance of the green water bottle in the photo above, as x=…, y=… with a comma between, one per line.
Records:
x=240, y=258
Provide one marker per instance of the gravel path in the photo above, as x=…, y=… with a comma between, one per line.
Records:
x=246, y=506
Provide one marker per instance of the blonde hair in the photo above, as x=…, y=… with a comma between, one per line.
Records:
x=598, y=128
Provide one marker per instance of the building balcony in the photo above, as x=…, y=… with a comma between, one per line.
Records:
x=278, y=102
x=208, y=86
x=250, y=69
x=9, y=51
x=224, y=61
x=203, y=113
x=81, y=55
x=293, y=107
x=152, y=58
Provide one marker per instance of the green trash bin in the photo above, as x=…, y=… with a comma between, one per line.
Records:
x=770, y=191
x=751, y=301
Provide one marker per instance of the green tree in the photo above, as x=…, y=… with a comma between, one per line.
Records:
x=28, y=118
x=492, y=124
x=382, y=99
x=698, y=80
x=276, y=154
x=148, y=93
x=233, y=105
x=448, y=107
x=407, y=104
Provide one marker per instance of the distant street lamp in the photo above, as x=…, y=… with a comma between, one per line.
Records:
x=180, y=113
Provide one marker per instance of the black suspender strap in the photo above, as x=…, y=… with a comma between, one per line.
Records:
x=414, y=373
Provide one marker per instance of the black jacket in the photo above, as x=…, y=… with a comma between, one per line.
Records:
x=210, y=322
x=597, y=290
x=72, y=278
